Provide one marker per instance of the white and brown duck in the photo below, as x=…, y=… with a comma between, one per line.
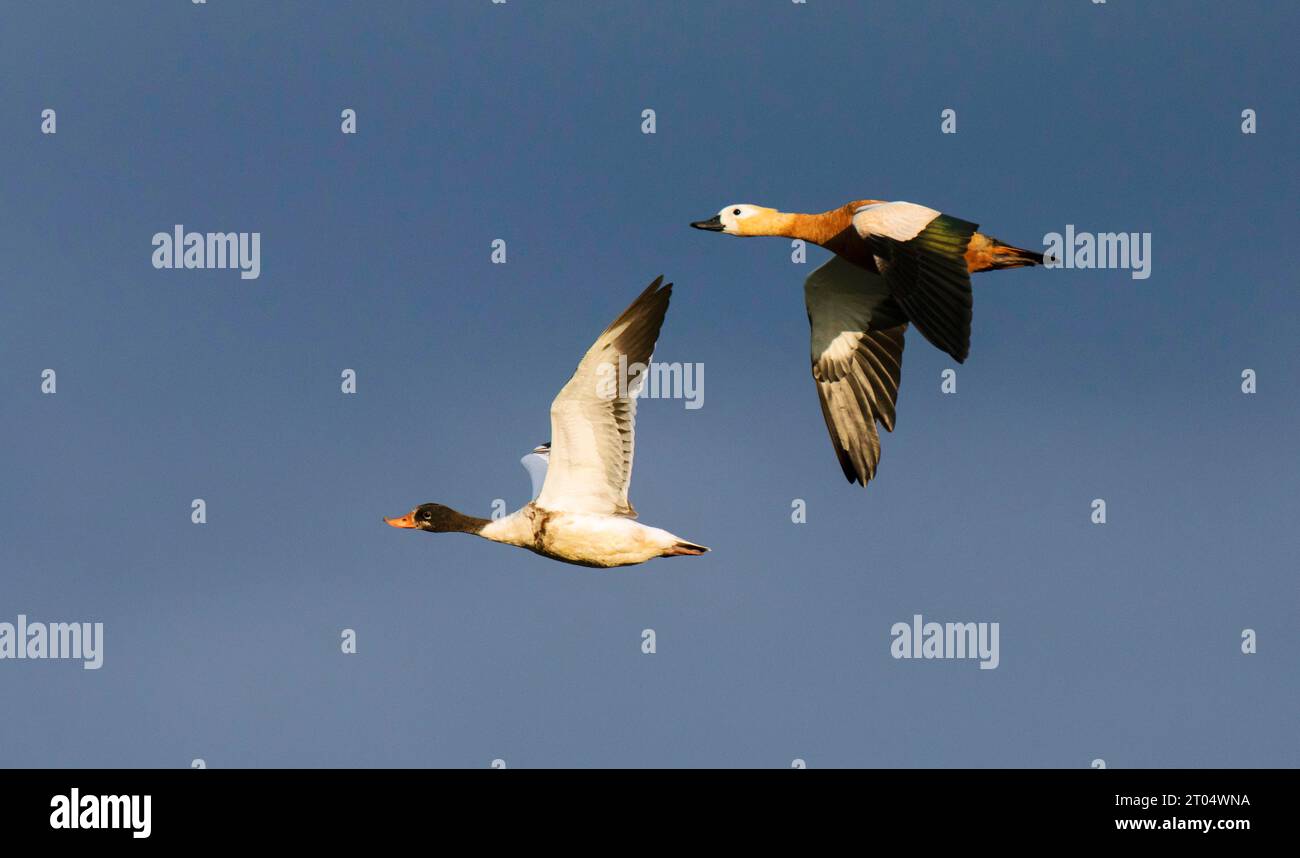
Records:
x=580, y=512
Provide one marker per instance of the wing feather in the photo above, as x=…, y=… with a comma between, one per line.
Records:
x=594, y=416
x=921, y=253
x=857, y=358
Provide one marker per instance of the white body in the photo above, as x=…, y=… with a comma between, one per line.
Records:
x=588, y=539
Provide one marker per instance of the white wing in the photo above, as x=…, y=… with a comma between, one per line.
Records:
x=899, y=220
x=592, y=418
x=535, y=464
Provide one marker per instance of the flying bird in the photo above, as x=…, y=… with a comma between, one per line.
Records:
x=895, y=263
x=580, y=511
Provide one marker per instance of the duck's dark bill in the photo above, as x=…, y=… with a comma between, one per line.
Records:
x=713, y=224
x=406, y=521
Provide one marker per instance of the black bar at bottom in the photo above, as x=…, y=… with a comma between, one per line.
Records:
x=334, y=806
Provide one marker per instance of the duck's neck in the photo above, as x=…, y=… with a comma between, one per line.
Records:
x=513, y=529
x=824, y=228
x=458, y=522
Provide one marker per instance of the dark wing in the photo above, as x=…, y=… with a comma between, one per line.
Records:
x=922, y=255
x=857, y=358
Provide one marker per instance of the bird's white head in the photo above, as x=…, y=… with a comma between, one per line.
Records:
x=741, y=219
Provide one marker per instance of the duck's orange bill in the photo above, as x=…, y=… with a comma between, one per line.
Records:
x=407, y=520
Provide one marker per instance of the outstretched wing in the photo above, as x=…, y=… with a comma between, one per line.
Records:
x=857, y=358
x=592, y=418
x=921, y=253
x=535, y=464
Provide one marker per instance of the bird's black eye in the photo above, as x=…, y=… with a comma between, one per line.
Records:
x=426, y=515
x=735, y=211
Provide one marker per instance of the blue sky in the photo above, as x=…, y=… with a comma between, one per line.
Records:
x=523, y=122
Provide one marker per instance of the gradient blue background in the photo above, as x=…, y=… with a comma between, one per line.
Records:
x=522, y=122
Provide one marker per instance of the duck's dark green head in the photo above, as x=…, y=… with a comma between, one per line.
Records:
x=436, y=518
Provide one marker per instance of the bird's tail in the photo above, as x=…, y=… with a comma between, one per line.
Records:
x=986, y=253
x=685, y=549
